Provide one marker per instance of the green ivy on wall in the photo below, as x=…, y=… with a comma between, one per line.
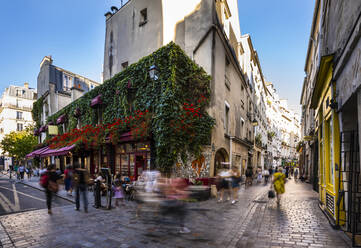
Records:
x=177, y=101
x=37, y=110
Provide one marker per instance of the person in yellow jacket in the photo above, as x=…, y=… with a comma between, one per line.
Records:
x=279, y=183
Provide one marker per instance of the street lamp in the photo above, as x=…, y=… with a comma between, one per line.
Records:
x=153, y=72
x=254, y=123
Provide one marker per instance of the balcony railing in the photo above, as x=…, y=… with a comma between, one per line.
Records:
x=14, y=106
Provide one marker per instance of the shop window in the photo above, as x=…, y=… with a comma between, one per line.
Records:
x=143, y=17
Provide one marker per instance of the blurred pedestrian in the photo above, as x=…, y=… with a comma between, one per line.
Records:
x=236, y=179
x=249, y=176
x=175, y=192
x=266, y=175
x=22, y=171
x=295, y=174
x=259, y=175
x=29, y=172
x=118, y=190
x=68, y=180
x=279, y=183
x=225, y=187
x=49, y=181
x=81, y=179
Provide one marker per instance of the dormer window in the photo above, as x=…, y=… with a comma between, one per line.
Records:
x=143, y=17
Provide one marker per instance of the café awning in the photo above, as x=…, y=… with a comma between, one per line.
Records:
x=37, y=152
x=57, y=152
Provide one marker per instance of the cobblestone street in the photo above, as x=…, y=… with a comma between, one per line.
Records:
x=252, y=222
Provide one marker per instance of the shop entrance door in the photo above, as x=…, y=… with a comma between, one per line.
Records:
x=139, y=165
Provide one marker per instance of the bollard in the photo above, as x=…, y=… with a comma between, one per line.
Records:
x=213, y=191
x=97, y=199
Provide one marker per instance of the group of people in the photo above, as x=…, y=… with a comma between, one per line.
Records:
x=228, y=181
x=21, y=170
x=76, y=177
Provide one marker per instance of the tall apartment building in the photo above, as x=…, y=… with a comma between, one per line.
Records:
x=16, y=104
x=57, y=88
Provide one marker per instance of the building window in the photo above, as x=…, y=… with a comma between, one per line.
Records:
x=67, y=82
x=19, y=127
x=242, y=127
x=19, y=115
x=124, y=65
x=143, y=17
x=226, y=118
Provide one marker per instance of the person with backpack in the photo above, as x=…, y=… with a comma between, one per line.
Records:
x=22, y=171
x=48, y=180
x=81, y=179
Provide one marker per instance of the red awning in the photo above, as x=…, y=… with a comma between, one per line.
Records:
x=57, y=152
x=37, y=152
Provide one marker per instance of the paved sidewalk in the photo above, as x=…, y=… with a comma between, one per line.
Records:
x=34, y=183
x=296, y=222
x=253, y=222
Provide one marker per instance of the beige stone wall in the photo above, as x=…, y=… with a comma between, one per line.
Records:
x=130, y=40
x=189, y=23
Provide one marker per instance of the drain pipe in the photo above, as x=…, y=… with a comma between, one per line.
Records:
x=230, y=151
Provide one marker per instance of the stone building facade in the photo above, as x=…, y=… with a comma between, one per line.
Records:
x=58, y=88
x=331, y=109
x=209, y=33
x=15, y=112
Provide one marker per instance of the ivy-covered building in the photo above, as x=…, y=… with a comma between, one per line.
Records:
x=153, y=114
x=208, y=31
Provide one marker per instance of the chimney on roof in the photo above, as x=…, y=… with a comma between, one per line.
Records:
x=47, y=59
x=26, y=85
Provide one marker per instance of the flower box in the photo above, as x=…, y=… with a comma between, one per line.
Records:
x=61, y=119
x=96, y=101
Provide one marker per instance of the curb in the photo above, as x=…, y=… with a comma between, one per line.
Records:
x=62, y=197
x=31, y=186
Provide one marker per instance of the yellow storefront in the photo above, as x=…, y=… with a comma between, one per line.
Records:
x=328, y=134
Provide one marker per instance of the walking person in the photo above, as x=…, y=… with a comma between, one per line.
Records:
x=68, y=178
x=279, y=183
x=249, y=176
x=49, y=181
x=259, y=175
x=226, y=180
x=118, y=190
x=22, y=172
x=236, y=179
x=266, y=175
x=29, y=172
x=81, y=179
x=295, y=175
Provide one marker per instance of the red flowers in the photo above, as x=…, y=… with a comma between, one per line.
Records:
x=93, y=136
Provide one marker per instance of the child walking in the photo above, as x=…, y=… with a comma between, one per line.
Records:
x=118, y=192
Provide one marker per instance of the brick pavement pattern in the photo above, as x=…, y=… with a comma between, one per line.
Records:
x=252, y=222
x=296, y=222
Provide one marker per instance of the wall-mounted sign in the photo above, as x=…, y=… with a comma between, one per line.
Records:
x=53, y=130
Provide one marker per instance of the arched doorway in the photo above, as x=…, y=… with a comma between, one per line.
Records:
x=220, y=160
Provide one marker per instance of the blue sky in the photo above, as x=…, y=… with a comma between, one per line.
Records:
x=73, y=33
x=280, y=32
